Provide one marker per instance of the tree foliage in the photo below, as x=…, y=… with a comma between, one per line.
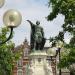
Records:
x=66, y=8
x=6, y=54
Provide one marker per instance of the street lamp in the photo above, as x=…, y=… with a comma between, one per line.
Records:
x=2, y=3
x=59, y=46
x=52, y=56
x=12, y=19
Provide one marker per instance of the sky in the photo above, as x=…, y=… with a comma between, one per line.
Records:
x=32, y=10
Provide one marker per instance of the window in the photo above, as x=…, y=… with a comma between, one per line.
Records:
x=26, y=51
x=19, y=63
x=27, y=69
x=19, y=72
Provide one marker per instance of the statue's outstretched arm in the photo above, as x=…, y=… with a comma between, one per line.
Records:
x=30, y=22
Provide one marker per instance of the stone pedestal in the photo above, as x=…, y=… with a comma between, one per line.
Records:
x=38, y=64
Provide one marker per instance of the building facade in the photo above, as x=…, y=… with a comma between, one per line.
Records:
x=21, y=66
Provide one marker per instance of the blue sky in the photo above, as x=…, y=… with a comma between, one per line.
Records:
x=33, y=10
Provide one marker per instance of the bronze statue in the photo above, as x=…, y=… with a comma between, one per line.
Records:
x=37, y=40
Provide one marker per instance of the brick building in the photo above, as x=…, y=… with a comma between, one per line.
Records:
x=21, y=66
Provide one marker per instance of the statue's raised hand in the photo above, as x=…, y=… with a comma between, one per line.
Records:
x=28, y=20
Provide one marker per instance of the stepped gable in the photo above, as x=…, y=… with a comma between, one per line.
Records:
x=22, y=46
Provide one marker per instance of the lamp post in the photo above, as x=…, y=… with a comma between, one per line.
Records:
x=52, y=56
x=12, y=19
x=59, y=60
x=59, y=46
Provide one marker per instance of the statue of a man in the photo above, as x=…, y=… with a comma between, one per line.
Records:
x=37, y=40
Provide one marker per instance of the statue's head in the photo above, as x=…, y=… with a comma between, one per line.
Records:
x=37, y=22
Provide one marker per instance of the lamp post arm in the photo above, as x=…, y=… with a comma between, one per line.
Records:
x=11, y=31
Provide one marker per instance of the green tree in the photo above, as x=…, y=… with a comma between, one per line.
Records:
x=6, y=54
x=67, y=9
x=68, y=59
